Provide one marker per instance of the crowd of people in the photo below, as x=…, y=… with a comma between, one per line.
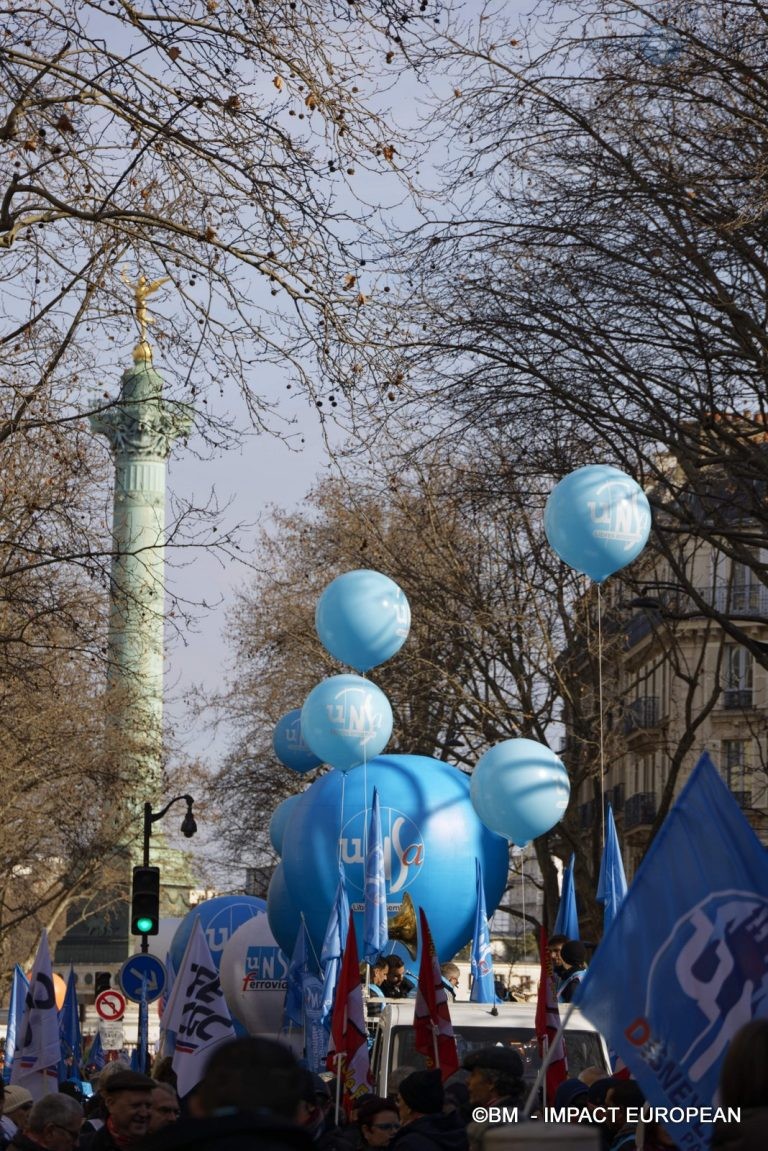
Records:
x=255, y=1095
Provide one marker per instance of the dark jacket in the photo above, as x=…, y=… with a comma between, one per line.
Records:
x=430, y=1132
x=749, y=1135
x=99, y=1140
x=20, y=1142
x=241, y=1131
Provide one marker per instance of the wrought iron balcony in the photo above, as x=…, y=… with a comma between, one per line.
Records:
x=640, y=810
x=642, y=713
x=737, y=698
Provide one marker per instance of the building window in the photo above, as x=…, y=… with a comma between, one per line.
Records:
x=737, y=677
x=735, y=763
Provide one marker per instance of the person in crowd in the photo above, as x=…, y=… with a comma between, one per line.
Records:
x=744, y=1084
x=53, y=1123
x=571, y=1093
x=378, y=972
x=554, y=947
x=424, y=1125
x=456, y=1098
x=378, y=1122
x=397, y=985
x=17, y=1104
x=574, y=960
x=162, y=1070
x=500, y=989
x=622, y=1095
x=164, y=1107
x=249, y=1096
x=126, y=1096
x=451, y=976
x=591, y=1074
x=495, y=1080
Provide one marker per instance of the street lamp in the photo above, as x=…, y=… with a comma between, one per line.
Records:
x=145, y=895
x=188, y=824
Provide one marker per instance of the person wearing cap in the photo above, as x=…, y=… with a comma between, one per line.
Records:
x=424, y=1124
x=17, y=1104
x=128, y=1100
x=53, y=1123
x=495, y=1080
x=574, y=957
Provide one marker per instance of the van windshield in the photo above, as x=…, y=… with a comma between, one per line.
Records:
x=583, y=1048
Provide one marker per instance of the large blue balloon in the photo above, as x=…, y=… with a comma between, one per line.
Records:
x=279, y=821
x=282, y=912
x=289, y=745
x=346, y=720
x=363, y=618
x=431, y=838
x=520, y=789
x=598, y=520
x=219, y=919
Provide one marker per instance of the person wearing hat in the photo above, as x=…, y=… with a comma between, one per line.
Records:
x=574, y=959
x=17, y=1104
x=424, y=1124
x=128, y=1101
x=53, y=1123
x=495, y=1080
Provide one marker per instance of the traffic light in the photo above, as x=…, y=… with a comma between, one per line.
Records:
x=145, y=902
x=102, y=982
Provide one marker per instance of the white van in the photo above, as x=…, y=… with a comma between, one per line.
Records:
x=475, y=1026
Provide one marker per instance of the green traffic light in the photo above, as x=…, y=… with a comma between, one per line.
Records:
x=144, y=925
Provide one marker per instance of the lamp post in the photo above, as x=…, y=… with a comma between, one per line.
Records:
x=188, y=829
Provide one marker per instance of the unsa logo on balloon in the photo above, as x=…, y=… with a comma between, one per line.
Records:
x=265, y=969
x=403, y=846
x=618, y=514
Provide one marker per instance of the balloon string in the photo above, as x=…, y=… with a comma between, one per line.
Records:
x=525, y=917
x=600, y=711
x=341, y=814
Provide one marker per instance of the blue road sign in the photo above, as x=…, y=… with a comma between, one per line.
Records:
x=138, y=969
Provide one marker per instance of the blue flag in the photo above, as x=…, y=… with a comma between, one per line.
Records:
x=481, y=960
x=375, y=913
x=298, y=969
x=685, y=962
x=69, y=1033
x=141, y=1056
x=333, y=947
x=95, y=1060
x=567, y=922
x=612, y=884
x=19, y=989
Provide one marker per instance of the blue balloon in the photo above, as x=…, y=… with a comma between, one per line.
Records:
x=283, y=914
x=431, y=838
x=219, y=919
x=346, y=720
x=598, y=520
x=279, y=821
x=362, y=618
x=289, y=746
x=520, y=789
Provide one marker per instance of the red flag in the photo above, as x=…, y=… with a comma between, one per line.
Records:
x=548, y=1022
x=348, y=1049
x=431, y=1018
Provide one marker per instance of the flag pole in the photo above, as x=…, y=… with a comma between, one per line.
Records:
x=552, y=1047
x=339, y=1063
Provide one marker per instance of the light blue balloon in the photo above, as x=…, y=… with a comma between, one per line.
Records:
x=520, y=789
x=346, y=720
x=279, y=821
x=289, y=746
x=363, y=618
x=431, y=838
x=219, y=919
x=598, y=520
x=283, y=914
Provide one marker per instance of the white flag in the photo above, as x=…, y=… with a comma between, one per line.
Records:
x=38, y=1049
x=196, y=1011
